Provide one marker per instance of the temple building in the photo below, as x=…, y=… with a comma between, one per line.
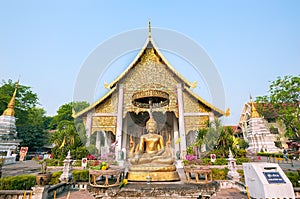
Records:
x=8, y=134
x=123, y=111
x=256, y=130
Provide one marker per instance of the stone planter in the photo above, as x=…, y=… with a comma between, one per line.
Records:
x=43, y=179
x=194, y=174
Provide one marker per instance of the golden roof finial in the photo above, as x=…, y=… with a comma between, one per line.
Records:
x=11, y=105
x=254, y=113
x=149, y=28
x=227, y=113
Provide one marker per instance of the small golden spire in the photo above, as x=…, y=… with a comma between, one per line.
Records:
x=254, y=113
x=11, y=105
x=194, y=84
x=227, y=113
x=106, y=85
x=149, y=28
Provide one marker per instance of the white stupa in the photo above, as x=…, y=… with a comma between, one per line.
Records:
x=8, y=133
x=259, y=135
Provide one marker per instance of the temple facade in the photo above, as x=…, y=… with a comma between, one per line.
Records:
x=122, y=113
x=8, y=134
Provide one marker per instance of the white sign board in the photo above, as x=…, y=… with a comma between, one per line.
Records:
x=84, y=163
x=267, y=180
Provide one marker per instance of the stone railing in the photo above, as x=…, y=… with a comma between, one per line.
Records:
x=229, y=184
x=15, y=194
x=8, y=159
x=56, y=189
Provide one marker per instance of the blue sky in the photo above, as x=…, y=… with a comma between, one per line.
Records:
x=250, y=42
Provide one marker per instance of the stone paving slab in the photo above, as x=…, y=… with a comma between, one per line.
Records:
x=20, y=168
x=229, y=194
x=75, y=194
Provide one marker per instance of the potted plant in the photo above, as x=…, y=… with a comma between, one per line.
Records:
x=1, y=164
x=43, y=177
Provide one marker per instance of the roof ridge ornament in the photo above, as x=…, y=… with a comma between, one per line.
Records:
x=254, y=113
x=149, y=29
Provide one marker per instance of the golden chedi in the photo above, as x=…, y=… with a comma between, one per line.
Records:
x=151, y=158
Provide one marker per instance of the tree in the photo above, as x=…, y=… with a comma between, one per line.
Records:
x=32, y=132
x=69, y=135
x=65, y=112
x=29, y=118
x=284, y=99
x=25, y=99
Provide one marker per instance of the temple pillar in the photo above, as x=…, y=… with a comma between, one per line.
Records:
x=124, y=134
x=181, y=118
x=176, y=135
x=211, y=118
x=98, y=142
x=119, y=122
x=88, y=128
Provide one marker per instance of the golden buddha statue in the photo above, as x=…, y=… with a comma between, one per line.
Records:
x=151, y=158
x=151, y=148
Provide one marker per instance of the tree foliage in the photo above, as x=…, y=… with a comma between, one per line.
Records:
x=283, y=99
x=69, y=135
x=29, y=118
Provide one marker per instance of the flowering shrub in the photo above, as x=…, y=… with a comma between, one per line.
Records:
x=108, y=157
x=190, y=157
x=123, y=183
x=98, y=166
x=191, y=160
x=91, y=157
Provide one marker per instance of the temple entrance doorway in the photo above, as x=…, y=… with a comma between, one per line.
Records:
x=135, y=125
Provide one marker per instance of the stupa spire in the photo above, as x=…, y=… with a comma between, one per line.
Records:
x=10, y=111
x=149, y=29
x=254, y=113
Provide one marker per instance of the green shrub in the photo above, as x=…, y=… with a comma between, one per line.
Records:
x=55, y=177
x=54, y=162
x=294, y=178
x=241, y=173
x=240, y=161
x=80, y=175
x=22, y=182
x=220, y=161
x=219, y=174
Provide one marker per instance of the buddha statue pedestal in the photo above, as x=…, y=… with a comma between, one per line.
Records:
x=156, y=172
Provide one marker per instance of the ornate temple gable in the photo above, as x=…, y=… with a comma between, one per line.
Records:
x=108, y=105
x=192, y=105
x=150, y=44
x=149, y=73
x=210, y=107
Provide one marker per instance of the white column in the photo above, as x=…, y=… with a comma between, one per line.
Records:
x=211, y=118
x=124, y=135
x=176, y=134
x=98, y=141
x=119, y=122
x=88, y=128
x=181, y=118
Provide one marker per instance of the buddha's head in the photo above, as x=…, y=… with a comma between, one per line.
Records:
x=151, y=125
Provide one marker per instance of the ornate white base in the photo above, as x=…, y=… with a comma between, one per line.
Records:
x=179, y=164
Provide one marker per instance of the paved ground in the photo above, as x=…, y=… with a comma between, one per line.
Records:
x=229, y=194
x=75, y=195
x=31, y=166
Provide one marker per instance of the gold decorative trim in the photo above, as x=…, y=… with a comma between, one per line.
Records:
x=219, y=111
x=94, y=104
x=141, y=99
